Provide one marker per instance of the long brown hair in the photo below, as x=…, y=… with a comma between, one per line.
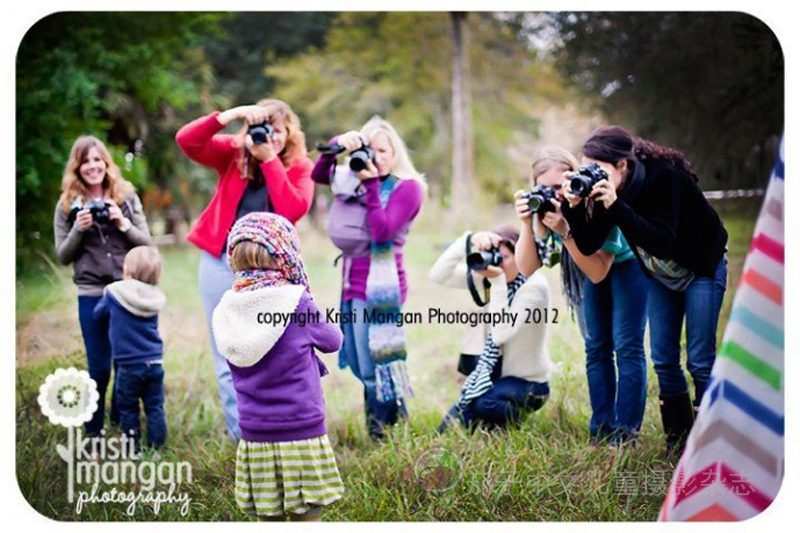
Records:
x=277, y=110
x=613, y=144
x=72, y=184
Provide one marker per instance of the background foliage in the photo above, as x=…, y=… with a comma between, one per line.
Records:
x=710, y=84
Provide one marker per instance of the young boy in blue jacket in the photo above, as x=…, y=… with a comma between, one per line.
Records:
x=132, y=307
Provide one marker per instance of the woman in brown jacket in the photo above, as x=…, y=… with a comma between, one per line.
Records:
x=98, y=219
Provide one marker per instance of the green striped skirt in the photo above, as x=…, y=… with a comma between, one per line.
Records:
x=276, y=478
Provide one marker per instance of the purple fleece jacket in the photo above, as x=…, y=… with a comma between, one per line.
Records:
x=276, y=372
x=384, y=224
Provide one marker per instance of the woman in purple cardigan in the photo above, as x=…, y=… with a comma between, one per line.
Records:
x=369, y=222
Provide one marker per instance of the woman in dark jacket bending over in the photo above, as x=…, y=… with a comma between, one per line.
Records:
x=651, y=194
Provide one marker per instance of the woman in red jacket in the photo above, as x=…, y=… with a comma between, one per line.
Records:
x=269, y=173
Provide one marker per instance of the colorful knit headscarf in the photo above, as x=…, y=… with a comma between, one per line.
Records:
x=279, y=238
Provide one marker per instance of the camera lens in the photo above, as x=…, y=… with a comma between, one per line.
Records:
x=358, y=161
x=579, y=186
x=535, y=202
x=361, y=157
x=260, y=132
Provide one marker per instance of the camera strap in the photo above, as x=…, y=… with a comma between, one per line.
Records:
x=473, y=291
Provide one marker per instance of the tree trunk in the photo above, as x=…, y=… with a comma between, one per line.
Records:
x=461, y=197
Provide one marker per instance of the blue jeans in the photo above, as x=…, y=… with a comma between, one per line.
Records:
x=700, y=303
x=359, y=359
x=215, y=278
x=143, y=382
x=506, y=401
x=614, y=313
x=98, y=357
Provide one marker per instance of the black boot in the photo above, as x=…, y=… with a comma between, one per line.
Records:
x=677, y=415
x=374, y=426
x=382, y=414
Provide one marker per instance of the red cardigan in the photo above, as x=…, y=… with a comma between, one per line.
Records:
x=290, y=190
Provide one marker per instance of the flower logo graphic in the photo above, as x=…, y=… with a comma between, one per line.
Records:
x=68, y=397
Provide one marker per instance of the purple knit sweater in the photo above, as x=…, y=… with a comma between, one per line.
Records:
x=276, y=372
x=384, y=224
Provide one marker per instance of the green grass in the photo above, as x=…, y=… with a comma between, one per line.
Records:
x=543, y=470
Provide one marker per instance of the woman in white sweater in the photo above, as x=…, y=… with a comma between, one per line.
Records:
x=520, y=338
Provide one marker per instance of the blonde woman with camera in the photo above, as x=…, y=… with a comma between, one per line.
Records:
x=373, y=208
x=606, y=288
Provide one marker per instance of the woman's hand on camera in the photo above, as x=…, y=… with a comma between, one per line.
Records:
x=490, y=272
x=555, y=221
x=263, y=152
x=250, y=114
x=521, y=207
x=573, y=199
x=83, y=219
x=350, y=141
x=370, y=172
x=482, y=241
x=604, y=191
x=115, y=214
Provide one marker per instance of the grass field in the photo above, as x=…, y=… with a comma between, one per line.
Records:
x=544, y=470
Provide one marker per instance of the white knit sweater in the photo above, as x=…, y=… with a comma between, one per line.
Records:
x=524, y=346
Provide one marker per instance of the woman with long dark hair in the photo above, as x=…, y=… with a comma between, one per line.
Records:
x=651, y=194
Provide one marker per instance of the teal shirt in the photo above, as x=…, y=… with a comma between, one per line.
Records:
x=615, y=244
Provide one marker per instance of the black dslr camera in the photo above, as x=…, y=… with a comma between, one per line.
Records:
x=539, y=199
x=99, y=210
x=261, y=132
x=582, y=181
x=484, y=259
x=360, y=157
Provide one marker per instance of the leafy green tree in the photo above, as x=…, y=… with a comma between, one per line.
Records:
x=252, y=41
x=119, y=76
x=710, y=84
x=398, y=65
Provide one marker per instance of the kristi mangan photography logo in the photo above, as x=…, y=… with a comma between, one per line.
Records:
x=107, y=469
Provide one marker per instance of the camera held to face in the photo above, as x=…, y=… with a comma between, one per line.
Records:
x=582, y=181
x=261, y=132
x=360, y=157
x=539, y=199
x=484, y=259
x=99, y=210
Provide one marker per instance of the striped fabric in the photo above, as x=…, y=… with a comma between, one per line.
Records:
x=479, y=380
x=277, y=478
x=387, y=340
x=732, y=466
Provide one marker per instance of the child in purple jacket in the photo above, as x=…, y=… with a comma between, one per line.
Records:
x=267, y=327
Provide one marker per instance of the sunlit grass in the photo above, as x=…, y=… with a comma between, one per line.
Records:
x=543, y=470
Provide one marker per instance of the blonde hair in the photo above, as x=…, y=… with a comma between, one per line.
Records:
x=248, y=255
x=295, y=149
x=72, y=184
x=402, y=167
x=549, y=156
x=145, y=264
